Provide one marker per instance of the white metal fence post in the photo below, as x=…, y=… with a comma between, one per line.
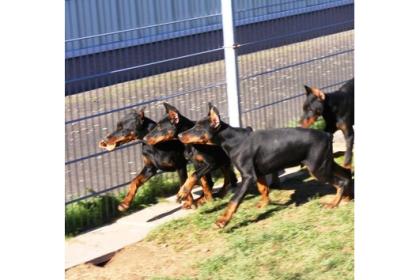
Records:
x=231, y=64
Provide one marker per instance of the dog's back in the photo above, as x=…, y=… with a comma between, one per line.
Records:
x=280, y=148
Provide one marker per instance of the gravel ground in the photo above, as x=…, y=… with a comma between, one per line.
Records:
x=320, y=62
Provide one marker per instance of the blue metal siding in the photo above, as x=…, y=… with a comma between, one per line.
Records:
x=94, y=26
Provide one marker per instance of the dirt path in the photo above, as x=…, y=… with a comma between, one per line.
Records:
x=144, y=260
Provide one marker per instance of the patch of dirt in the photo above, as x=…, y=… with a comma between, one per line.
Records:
x=144, y=260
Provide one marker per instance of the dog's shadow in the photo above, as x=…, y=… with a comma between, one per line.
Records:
x=305, y=188
x=250, y=195
x=262, y=216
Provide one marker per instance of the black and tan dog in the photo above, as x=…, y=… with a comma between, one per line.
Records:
x=337, y=109
x=167, y=156
x=258, y=153
x=204, y=157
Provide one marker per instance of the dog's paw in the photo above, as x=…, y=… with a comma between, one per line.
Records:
x=123, y=207
x=188, y=205
x=221, y=222
x=202, y=200
x=328, y=205
x=181, y=195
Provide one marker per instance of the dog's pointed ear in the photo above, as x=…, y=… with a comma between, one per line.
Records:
x=141, y=112
x=169, y=107
x=214, y=116
x=315, y=91
x=172, y=112
x=308, y=90
x=210, y=106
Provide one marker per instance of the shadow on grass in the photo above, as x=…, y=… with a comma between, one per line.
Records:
x=250, y=195
x=267, y=214
x=304, y=191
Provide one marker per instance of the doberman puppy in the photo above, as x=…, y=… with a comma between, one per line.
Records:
x=204, y=157
x=337, y=109
x=261, y=152
x=168, y=156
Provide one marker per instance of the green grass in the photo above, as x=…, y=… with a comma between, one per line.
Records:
x=282, y=241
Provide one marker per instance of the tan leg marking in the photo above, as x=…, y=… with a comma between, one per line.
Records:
x=264, y=190
x=227, y=216
x=185, y=190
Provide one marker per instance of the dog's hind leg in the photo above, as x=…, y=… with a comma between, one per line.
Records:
x=264, y=190
x=341, y=180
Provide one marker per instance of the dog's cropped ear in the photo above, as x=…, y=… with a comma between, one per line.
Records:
x=315, y=91
x=308, y=90
x=141, y=112
x=214, y=116
x=169, y=107
x=172, y=112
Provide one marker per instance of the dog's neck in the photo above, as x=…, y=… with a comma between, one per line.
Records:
x=229, y=137
x=332, y=104
x=145, y=128
x=334, y=100
x=184, y=124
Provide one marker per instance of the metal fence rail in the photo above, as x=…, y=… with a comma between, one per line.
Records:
x=282, y=45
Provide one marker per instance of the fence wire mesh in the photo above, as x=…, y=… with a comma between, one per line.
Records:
x=123, y=55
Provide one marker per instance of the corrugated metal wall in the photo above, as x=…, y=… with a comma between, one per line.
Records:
x=94, y=26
